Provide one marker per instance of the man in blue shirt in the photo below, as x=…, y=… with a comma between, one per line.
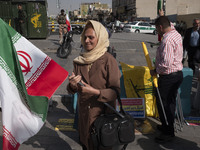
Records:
x=191, y=43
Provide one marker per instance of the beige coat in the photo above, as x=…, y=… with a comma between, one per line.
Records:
x=103, y=75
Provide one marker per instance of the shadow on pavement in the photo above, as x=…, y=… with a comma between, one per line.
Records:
x=48, y=139
x=176, y=144
x=56, y=42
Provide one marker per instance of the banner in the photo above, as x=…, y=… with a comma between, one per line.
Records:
x=138, y=83
x=28, y=78
x=133, y=106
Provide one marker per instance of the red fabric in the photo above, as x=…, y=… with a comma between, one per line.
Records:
x=159, y=38
x=48, y=82
x=68, y=25
x=8, y=139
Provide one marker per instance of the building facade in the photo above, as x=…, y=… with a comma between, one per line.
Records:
x=96, y=11
x=129, y=10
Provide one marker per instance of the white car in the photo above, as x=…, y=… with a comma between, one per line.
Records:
x=140, y=27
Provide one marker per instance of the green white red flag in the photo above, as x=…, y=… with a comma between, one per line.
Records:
x=68, y=22
x=28, y=78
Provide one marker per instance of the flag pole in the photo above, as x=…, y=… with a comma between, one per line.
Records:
x=155, y=80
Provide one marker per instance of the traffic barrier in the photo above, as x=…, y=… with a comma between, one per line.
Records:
x=52, y=26
x=10, y=22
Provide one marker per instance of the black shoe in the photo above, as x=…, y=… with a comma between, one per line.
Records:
x=163, y=138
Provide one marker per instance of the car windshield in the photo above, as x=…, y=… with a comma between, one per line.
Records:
x=134, y=23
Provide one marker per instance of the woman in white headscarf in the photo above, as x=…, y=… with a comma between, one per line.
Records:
x=99, y=73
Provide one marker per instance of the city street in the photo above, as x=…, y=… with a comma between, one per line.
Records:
x=128, y=48
x=56, y=134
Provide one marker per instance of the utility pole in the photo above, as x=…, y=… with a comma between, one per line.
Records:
x=58, y=4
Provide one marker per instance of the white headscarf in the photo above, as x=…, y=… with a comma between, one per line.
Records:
x=88, y=57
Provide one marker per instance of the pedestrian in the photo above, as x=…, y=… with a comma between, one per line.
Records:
x=21, y=20
x=191, y=43
x=168, y=65
x=184, y=27
x=181, y=28
x=61, y=19
x=99, y=73
x=117, y=25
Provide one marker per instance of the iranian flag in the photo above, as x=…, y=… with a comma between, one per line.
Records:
x=68, y=22
x=28, y=78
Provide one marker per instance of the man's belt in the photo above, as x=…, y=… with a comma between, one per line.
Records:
x=173, y=74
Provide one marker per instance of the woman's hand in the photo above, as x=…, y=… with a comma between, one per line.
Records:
x=73, y=80
x=87, y=89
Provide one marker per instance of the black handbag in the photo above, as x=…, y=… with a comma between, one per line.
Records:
x=109, y=130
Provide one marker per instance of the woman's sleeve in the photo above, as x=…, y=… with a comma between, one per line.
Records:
x=69, y=88
x=113, y=82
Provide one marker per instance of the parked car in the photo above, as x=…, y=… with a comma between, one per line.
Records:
x=140, y=27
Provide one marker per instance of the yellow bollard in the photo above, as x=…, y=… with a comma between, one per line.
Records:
x=52, y=26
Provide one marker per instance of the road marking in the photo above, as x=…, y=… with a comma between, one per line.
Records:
x=65, y=125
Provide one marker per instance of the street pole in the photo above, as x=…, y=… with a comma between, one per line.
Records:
x=58, y=4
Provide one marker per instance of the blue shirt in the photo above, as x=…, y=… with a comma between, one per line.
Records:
x=194, y=40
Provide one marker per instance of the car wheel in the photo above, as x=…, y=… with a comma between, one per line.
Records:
x=137, y=31
x=154, y=32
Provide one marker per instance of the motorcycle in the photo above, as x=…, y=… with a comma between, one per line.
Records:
x=77, y=29
x=65, y=48
x=117, y=29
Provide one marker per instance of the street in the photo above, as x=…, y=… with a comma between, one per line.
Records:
x=128, y=48
x=56, y=134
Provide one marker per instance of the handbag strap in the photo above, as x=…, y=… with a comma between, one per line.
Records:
x=120, y=103
x=122, y=114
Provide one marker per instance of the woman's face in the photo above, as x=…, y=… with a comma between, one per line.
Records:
x=90, y=39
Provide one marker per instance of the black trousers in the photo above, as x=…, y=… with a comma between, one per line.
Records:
x=191, y=57
x=168, y=87
x=21, y=28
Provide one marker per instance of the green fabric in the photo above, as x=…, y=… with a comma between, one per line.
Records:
x=10, y=63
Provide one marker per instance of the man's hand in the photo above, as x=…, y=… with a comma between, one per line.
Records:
x=161, y=12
